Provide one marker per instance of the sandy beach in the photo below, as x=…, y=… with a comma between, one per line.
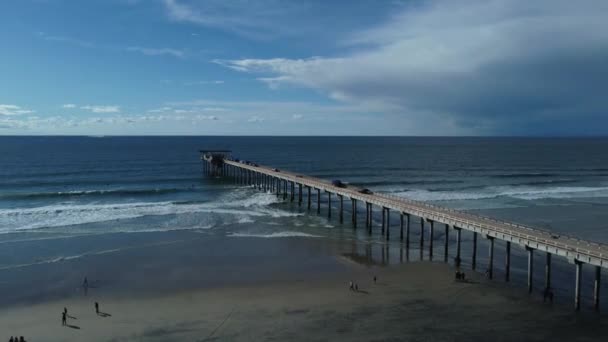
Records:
x=410, y=302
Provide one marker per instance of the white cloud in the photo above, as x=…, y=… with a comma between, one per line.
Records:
x=207, y=117
x=69, y=106
x=494, y=65
x=157, y=51
x=13, y=110
x=297, y=116
x=255, y=119
x=160, y=110
x=102, y=109
x=261, y=19
x=203, y=82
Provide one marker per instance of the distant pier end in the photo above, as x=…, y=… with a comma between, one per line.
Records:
x=214, y=160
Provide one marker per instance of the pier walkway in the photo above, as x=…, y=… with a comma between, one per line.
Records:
x=577, y=251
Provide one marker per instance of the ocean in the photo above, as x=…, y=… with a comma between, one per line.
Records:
x=137, y=215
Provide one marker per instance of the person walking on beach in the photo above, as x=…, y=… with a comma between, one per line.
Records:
x=11, y=339
x=375, y=279
x=85, y=285
x=97, y=308
x=63, y=318
x=350, y=285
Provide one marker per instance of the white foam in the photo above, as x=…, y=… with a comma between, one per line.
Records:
x=524, y=192
x=245, y=219
x=238, y=203
x=78, y=256
x=274, y=235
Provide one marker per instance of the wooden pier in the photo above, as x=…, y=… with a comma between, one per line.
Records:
x=533, y=240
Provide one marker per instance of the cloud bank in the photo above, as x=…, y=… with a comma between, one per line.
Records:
x=496, y=67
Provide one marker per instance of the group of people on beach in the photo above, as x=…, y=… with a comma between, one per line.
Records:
x=460, y=276
x=16, y=339
x=64, y=314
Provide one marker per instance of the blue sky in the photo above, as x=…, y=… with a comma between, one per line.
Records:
x=277, y=67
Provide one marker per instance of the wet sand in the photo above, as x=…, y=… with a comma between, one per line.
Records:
x=410, y=302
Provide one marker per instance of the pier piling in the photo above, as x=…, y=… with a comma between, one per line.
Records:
x=577, y=285
x=318, y=201
x=328, y=204
x=341, y=214
x=548, y=272
x=446, y=243
x=299, y=194
x=508, y=261
x=431, y=238
x=491, y=258
x=596, y=288
x=388, y=224
x=530, y=267
x=458, y=242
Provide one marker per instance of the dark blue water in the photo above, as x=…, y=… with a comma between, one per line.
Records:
x=66, y=199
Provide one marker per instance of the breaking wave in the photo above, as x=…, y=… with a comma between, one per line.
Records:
x=275, y=235
x=241, y=206
x=525, y=193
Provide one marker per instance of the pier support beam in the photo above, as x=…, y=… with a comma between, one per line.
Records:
x=508, y=261
x=530, y=267
x=299, y=194
x=548, y=272
x=577, y=285
x=369, y=208
x=354, y=213
x=431, y=238
x=318, y=201
x=458, y=242
x=328, y=204
x=388, y=225
x=491, y=258
x=308, y=198
x=596, y=288
x=383, y=219
x=474, y=257
x=278, y=186
x=285, y=189
x=293, y=191
x=401, y=226
x=446, y=243
x=341, y=214
x=421, y=234
x=407, y=232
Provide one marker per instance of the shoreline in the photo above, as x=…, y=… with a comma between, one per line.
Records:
x=419, y=301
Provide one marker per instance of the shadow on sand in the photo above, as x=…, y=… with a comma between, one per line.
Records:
x=103, y=314
x=72, y=326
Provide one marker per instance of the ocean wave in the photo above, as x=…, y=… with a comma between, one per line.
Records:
x=275, y=235
x=414, y=182
x=84, y=193
x=523, y=175
x=60, y=215
x=526, y=193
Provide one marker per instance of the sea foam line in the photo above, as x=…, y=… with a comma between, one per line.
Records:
x=284, y=234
